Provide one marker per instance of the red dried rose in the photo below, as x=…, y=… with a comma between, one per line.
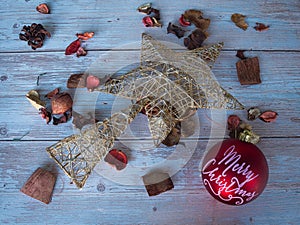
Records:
x=116, y=158
x=268, y=116
x=73, y=47
x=233, y=122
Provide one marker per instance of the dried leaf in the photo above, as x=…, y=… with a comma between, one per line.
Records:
x=85, y=36
x=178, y=31
x=34, y=98
x=268, y=116
x=73, y=47
x=61, y=103
x=195, y=39
x=173, y=138
x=196, y=18
x=239, y=20
x=62, y=118
x=261, y=27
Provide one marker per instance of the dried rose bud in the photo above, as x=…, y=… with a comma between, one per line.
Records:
x=43, y=8
x=233, y=122
x=116, y=158
x=92, y=82
x=183, y=22
x=268, y=116
x=85, y=36
x=81, y=52
x=73, y=47
x=61, y=103
x=253, y=113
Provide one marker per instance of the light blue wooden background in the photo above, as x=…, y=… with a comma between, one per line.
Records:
x=117, y=25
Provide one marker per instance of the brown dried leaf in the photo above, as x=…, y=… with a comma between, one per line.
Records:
x=195, y=39
x=239, y=20
x=52, y=93
x=178, y=31
x=268, y=116
x=196, y=18
x=61, y=103
x=240, y=54
x=261, y=27
x=77, y=81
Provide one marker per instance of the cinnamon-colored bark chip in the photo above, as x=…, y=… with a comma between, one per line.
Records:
x=157, y=183
x=248, y=71
x=40, y=185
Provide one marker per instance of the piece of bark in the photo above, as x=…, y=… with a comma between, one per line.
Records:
x=248, y=71
x=40, y=185
x=157, y=183
x=77, y=81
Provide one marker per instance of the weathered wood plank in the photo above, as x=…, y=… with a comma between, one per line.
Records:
x=117, y=22
x=102, y=197
x=279, y=91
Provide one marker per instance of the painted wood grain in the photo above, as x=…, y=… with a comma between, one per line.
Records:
x=279, y=91
x=118, y=22
x=102, y=197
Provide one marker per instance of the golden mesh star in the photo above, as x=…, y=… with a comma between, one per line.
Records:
x=169, y=86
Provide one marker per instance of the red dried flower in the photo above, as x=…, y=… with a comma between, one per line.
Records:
x=233, y=122
x=116, y=158
x=268, y=116
x=183, y=22
x=73, y=47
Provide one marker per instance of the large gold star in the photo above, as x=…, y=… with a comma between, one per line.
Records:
x=167, y=85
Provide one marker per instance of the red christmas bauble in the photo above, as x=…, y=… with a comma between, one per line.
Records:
x=235, y=172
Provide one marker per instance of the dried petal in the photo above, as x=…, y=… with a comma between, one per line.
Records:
x=240, y=54
x=147, y=21
x=173, y=137
x=80, y=121
x=261, y=27
x=52, y=93
x=116, y=158
x=43, y=8
x=268, y=116
x=239, y=20
x=81, y=52
x=253, y=113
x=73, y=47
x=45, y=115
x=85, y=36
x=92, y=82
x=233, y=122
x=62, y=118
x=145, y=8
x=183, y=22
x=61, y=103
x=34, y=98
x=178, y=31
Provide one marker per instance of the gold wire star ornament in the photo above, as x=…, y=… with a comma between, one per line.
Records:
x=169, y=86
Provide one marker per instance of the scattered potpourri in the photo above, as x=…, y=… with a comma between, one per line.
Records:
x=153, y=15
x=266, y=116
x=117, y=159
x=178, y=31
x=34, y=34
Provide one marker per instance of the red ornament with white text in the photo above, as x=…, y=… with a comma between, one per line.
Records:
x=235, y=172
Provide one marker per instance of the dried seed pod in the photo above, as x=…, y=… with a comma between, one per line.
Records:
x=116, y=158
x=268, y=116
x=253, y=113
x=43, y=8
x=61, y=103
x=239, y=20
